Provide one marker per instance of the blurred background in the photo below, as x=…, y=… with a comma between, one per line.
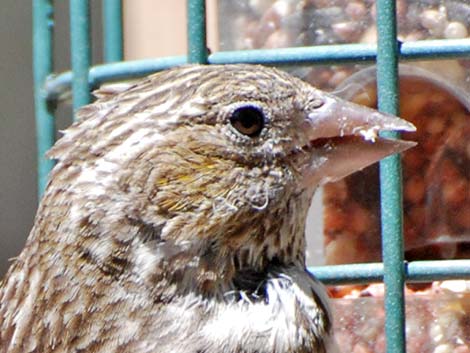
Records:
x=434, y=95
x=17, y=146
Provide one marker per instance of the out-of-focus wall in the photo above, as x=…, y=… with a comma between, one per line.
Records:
x=158, y=28
x=18, y=193
x=17, y=148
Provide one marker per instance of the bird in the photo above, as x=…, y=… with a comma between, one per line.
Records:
x=174, y=218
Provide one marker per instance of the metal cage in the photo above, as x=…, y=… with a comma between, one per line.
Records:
x=393, y=271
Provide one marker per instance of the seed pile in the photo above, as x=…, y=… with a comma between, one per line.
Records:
x=437, y=319
x=436, y=192
x=268, y=24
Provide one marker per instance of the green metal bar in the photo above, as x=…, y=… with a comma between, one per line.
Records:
x=197, y=48
x=112, y=30
x=390, y=182
x=80, y=51
x=439, y=270
x=42, y=64
x=58, y=84
x=346, y=53
x=435, y=49
x=416, y=271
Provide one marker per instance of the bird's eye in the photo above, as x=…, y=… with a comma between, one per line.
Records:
x=248, y=120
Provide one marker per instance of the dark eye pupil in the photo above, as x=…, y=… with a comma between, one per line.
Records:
x=248, y=120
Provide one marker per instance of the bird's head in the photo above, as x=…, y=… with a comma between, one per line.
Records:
x=209, y=168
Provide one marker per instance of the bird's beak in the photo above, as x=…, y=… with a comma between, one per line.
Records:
x=344, y=137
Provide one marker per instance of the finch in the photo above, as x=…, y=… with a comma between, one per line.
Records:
x=174, y=219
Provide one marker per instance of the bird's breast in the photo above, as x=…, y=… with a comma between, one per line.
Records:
x=290, y=315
